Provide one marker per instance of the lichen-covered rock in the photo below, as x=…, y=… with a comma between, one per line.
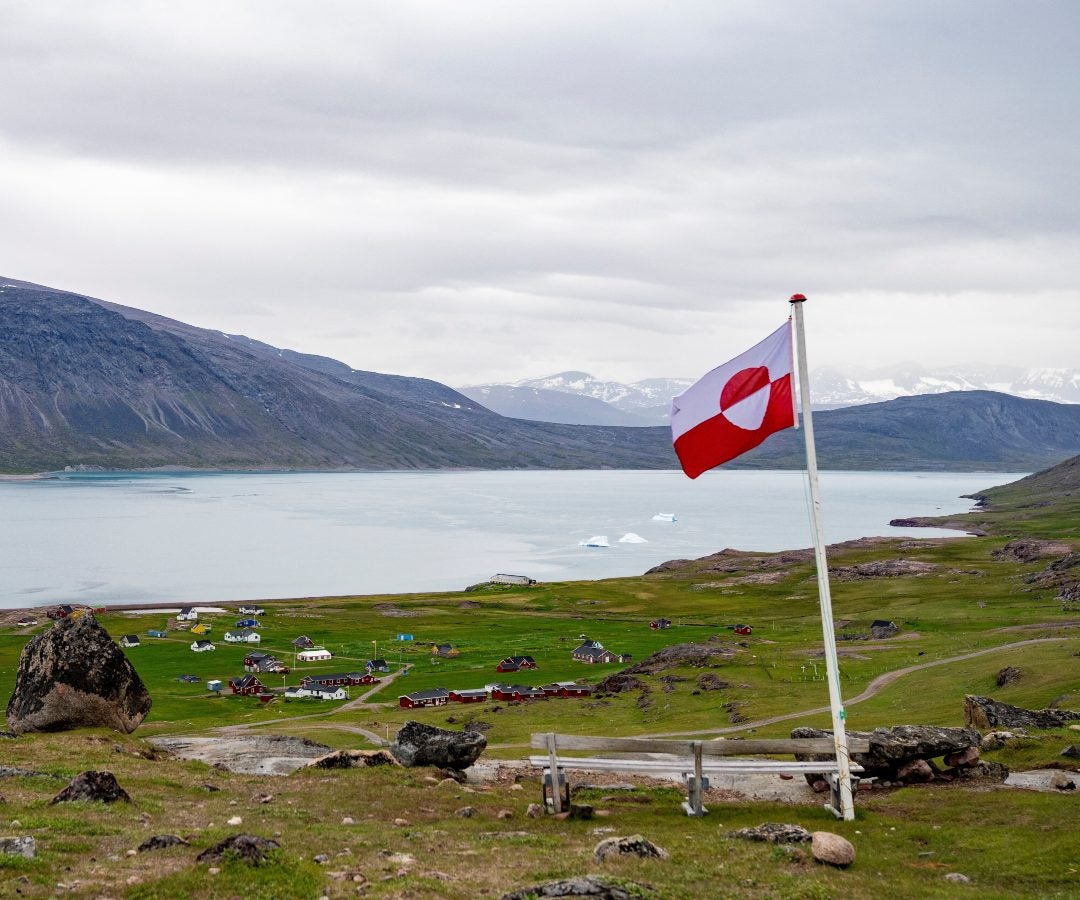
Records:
x=247, y=848
x=986, y=713
x=583, y=886
x=915, y=771
x=417, y=744
x=161, y=841
x=75, y=676
x=774, y=833
x=832, y=849
x=634, y=845
x=100, y=787
x=891, y=748
x=25, y=847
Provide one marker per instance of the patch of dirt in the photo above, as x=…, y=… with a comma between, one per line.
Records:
x=395, y=612
x=267, y=754
x=679, y=656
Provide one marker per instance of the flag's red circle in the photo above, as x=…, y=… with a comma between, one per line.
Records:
x=742, y=384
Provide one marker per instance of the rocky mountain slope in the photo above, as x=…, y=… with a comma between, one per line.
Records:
x=85, y=382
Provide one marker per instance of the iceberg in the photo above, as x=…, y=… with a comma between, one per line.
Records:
x=631, y=538
x=599, y=540
x=665, y=517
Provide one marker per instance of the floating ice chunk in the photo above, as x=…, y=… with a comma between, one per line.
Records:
x=599, y=540
x=631, y=538
x=665, y=517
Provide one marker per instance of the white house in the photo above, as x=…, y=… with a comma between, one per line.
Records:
x=317, y=654
x=187, y=614
x=252, y=611
x=203, y=646
x=129, y=640
x=243, y=636
x=317, y=692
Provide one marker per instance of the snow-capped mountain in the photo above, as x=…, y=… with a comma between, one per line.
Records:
x=578, y=398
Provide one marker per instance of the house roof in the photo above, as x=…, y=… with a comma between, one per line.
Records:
x=591, y=651
x=333, y=676
x=429, y=694
x=520, y=659
x=590, y=645
x=325, y=689
x=131, y=638
x=204, y=643
x=882, y=623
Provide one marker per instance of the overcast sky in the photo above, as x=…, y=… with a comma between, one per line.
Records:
x=492, y=191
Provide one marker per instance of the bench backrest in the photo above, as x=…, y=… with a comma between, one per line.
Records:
x=721, y=747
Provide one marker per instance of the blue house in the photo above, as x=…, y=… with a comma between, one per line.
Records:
x=248, y=623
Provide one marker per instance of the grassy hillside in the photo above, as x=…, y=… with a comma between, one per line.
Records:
x=964, y=609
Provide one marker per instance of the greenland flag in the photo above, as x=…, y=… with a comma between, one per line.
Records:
x=736, y=406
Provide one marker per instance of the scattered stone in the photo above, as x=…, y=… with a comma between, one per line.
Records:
x=983, y=769
x=75, y=676
x=466, y=812
x=160, y=842
x=917, y=771
x=210, y=788
x=320, y=859
x=832, y=849
x=583, y=886
x=131, y=853
x=401, y=823
x=957, y=878
x=348, y=820
x=96, y=786
x=1008, y=675
x=25, y=847
x=417, y=744
x=16, y=772
x=963, y=759
x=995, y=740
x=1072, y=751
x=534, y=811
x=263, y=798
x=354, y=759
x=247, y=848
x=774, y=833
x=634, y=845
x=884, y=568
x=582, y=811
x=235, y=820
x=1062, y=782
x=984, y=713
x=504, y=814
x=710, y=682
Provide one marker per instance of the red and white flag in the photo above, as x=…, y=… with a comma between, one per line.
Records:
x=736, y=406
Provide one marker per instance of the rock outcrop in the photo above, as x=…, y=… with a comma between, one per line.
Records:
x=75, y=676
x=99, y=787
x=774, y=833
x=591, y=886
x=634, y=845
x=354, y=759
x=985, y=713
x=417, y=744
x=248, y=848
x=893, y=748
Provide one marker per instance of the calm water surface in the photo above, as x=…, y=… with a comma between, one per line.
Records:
x=147, y=538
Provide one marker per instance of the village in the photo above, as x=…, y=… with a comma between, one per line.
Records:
x=261, y=665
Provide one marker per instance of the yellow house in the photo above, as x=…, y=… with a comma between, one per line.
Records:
x=201, y=628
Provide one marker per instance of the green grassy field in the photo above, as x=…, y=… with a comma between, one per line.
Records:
x=961, y=620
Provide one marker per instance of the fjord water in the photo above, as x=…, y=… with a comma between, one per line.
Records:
x=136, y=538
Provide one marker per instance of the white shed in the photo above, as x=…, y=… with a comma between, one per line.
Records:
x=317, y=654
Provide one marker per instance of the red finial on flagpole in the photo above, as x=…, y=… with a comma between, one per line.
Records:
x=797, y=298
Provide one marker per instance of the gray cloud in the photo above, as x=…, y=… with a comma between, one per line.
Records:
x=619, y=187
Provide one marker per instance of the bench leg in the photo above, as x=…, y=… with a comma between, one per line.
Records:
x=557, y=799
x=834, y=804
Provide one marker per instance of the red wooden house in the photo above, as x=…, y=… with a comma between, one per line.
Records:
x=742, y=629
x=432, y=697
x=248, y=685
x=479, y=695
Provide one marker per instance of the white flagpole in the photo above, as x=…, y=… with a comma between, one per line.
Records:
x=847, y=806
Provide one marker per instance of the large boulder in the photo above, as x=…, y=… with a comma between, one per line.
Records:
x=97, y=787
x=75, y=676
x=417, y=744
x=892, y=748
x=985, y=713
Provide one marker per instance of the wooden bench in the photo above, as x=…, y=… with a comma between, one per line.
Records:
x=693, y=760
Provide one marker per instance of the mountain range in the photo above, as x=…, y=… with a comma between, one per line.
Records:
x=89, y=383
x=579, y=398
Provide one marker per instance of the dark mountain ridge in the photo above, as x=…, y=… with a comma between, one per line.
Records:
x=85, y=382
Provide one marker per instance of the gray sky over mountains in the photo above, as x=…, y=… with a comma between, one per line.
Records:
x=492, y=191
